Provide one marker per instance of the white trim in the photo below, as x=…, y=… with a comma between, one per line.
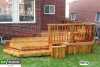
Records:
x=74, y=16
x=96, y=18
x=15, y=11
x=34, y=11
x=17, y=22
x=49, y=9
x=49, y=13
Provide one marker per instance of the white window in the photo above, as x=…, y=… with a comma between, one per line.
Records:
x=98, y=17
x=49, y=9
x=74, y=16
x=27, y=11
x=20, y=11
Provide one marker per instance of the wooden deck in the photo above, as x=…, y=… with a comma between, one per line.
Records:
x=77, y=38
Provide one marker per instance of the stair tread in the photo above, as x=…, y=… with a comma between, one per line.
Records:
x=26, y=53
x=29, y=39
x=28, y=42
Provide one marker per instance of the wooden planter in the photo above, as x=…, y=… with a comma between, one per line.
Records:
x=58, y=51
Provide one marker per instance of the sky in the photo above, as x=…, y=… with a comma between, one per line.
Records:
x=67, y=7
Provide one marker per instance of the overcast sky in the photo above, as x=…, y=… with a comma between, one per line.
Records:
x=67, y=7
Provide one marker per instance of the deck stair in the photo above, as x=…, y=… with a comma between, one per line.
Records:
x=28, y=46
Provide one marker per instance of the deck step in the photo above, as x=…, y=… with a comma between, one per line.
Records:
x=28, y=46
x=19, y=53
x=28, y=39
x=28, y=42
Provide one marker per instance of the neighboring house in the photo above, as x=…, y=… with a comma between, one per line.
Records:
x=86, y=10
x=29, y=17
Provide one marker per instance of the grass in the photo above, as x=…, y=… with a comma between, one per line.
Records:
x=68, y=61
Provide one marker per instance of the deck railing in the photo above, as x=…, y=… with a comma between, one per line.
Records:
x=71, y=32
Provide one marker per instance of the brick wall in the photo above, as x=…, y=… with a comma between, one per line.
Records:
x=22, y=29
x=56, y=18
x=86, y=9
x=29, y=29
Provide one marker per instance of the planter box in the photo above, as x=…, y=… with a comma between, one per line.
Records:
x=58, y=51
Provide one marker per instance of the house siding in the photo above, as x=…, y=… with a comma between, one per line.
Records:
x=29, y=29
x=9, y=30
x=59, y=13
x=86, y=9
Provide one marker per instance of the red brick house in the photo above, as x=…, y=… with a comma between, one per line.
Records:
x=85, y=10
x=29, y=17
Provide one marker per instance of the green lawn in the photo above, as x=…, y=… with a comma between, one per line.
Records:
x=68, y=61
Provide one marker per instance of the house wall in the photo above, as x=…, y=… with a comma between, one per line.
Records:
x=29, y=29
x=86, y=9
x=9, y=30
x=3, y=6
x=59, y=12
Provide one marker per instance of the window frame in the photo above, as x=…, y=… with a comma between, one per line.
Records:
x=34, y=21
x=54, y=7
x=97, y=21
x=74, y=16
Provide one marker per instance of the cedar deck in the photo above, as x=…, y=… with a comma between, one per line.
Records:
x=77, y=38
